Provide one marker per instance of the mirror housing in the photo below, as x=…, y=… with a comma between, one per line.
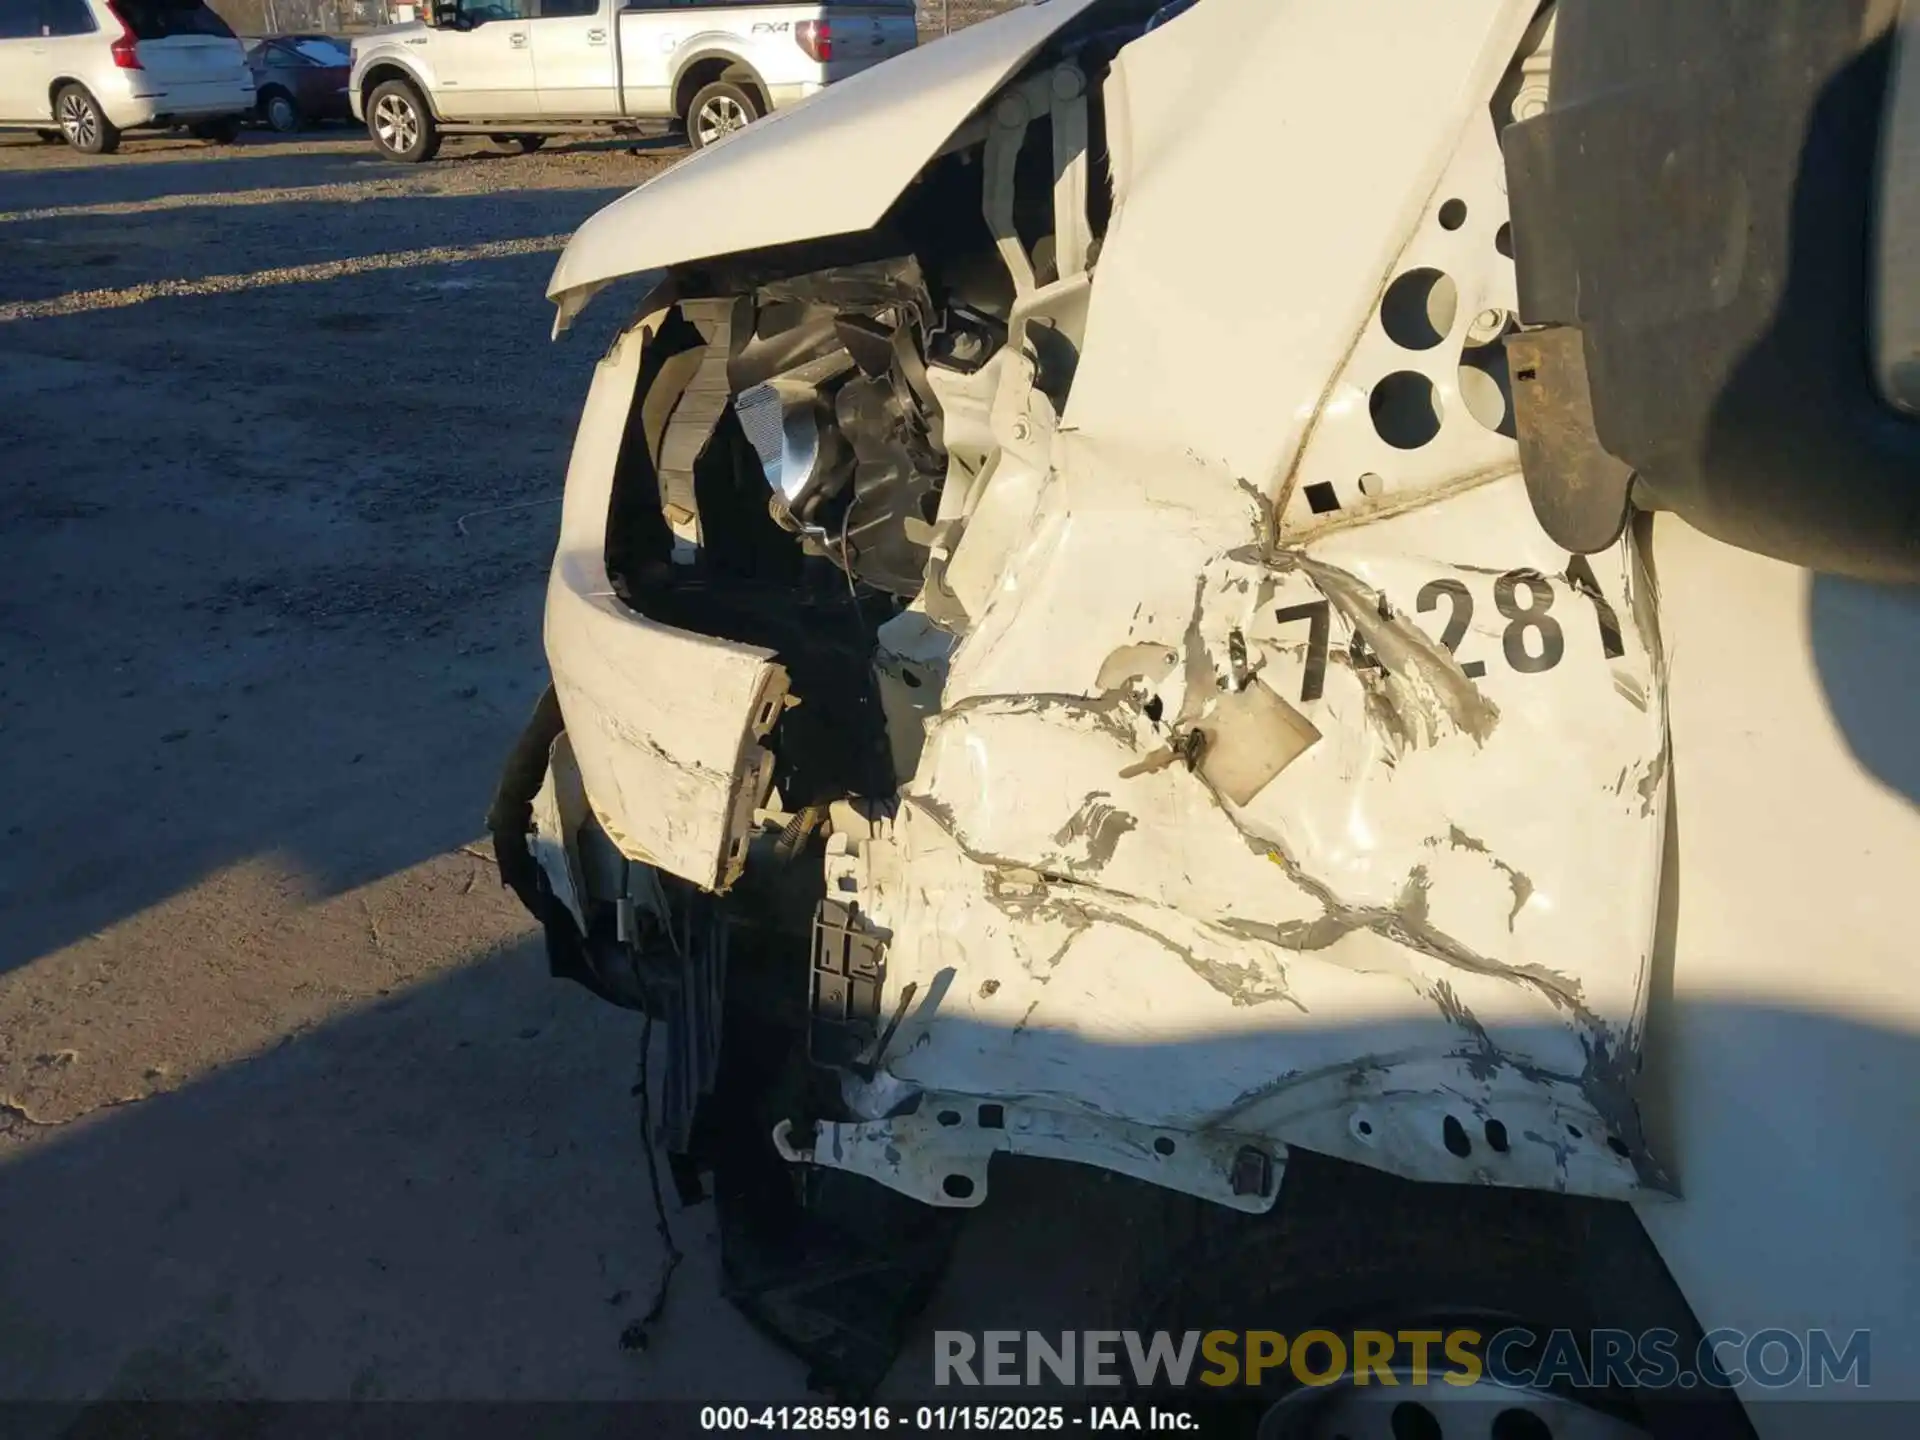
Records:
x=1694, y=229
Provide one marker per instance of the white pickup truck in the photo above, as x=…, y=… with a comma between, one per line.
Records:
x=527, y=69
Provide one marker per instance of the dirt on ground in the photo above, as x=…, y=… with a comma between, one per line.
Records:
x=288, y=1105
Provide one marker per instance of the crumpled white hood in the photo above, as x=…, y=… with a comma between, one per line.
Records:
x=831, y=166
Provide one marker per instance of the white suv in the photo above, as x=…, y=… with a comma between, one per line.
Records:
x=89, y=69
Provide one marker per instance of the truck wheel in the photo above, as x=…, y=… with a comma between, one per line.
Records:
x=719, y=109
x=83, y=122
x=223, y=131
x=525, y=144
x=280, y=112
x=401, y=124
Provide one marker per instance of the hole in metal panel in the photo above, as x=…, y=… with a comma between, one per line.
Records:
x=1453, y=214
x=1406, y=409
x=1485, y=388
x=1321, y=498
x=1419, y=309
x=993, y=1117
x=1163, y=1145
x=949, y=1118
x=1455, y=1136
x=957, y=1187
x=1497, y=1136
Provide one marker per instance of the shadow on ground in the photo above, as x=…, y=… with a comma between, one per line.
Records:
x=441, y=1195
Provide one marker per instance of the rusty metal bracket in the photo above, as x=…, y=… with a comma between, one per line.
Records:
x=1580, y=493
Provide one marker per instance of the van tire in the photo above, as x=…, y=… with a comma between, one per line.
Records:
x=83, y=123
x=718, y=109
x=412, y=136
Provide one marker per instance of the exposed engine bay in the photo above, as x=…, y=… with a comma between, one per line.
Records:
x=1072, y=670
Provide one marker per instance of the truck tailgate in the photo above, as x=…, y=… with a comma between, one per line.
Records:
x=864, y=34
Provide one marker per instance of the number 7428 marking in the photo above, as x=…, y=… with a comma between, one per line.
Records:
x=1524, y=597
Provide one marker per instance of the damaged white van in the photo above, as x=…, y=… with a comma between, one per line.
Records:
x=1132, y=628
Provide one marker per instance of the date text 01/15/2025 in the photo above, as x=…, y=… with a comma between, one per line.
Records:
x=925, y=1419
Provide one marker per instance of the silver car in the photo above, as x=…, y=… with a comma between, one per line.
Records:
x=86, y=70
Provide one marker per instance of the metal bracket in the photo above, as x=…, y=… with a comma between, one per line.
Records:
x=700, y=407
x=939, y=1153
x=1580, y=493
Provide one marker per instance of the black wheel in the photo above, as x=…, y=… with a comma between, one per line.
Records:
x=525, y=144
x=400, y=123
x=1350, y=1252
x=717, y=111
x=223, y=131
x=280, y=112
x=83, y=122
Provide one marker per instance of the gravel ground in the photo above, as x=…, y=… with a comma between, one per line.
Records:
x=288, y=1106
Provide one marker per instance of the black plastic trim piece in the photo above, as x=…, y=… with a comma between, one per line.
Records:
x=1697, y=204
